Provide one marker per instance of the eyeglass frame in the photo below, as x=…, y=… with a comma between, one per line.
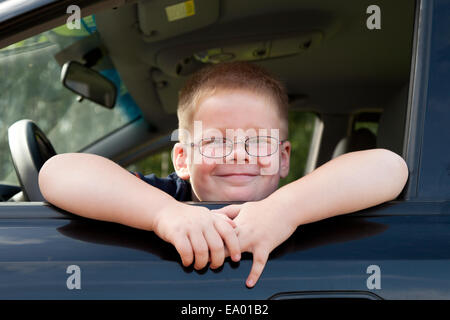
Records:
x=280, y=142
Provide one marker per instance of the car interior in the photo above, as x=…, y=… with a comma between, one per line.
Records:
x=332, y=64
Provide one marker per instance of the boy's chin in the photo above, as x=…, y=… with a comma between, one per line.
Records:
x=238, y=194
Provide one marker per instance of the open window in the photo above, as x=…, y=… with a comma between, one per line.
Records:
x=336, y=61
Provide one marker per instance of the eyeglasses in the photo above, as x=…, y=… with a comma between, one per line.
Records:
x=260, y=146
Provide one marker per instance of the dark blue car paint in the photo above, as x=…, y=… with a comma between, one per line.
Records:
x=121, y=262
x=409, y=240
x=434, y=172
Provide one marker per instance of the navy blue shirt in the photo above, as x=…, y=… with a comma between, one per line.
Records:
x=175, y=186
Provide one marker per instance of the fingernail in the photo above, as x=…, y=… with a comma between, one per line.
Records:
x=237, y=257
x=250, y=283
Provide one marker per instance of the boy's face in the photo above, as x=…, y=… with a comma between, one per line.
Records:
x=238, y=176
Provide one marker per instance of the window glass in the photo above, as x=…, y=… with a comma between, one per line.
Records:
x=31, y=89
x=301, y=126
x=160, y=164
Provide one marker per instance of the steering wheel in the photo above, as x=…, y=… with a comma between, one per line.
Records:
x=29, y=149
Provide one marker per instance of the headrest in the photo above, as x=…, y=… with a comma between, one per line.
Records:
x=361, y=139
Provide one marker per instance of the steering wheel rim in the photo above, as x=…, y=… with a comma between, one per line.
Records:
x=29, y=148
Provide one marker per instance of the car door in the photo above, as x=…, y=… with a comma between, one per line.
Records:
x=397, y=250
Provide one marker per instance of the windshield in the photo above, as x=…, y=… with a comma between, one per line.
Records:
x=31, y=89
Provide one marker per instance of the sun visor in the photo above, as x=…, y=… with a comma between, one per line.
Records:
x=186, y=59
x=162, y=19
x=78, y=50
x=287, y=34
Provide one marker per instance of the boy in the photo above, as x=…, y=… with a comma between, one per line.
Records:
x=232, y=129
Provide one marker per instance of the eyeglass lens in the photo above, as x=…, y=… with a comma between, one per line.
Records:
x=222, y=147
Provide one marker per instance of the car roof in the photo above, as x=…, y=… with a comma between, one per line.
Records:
x=344, y=57
x=342, y=67
x=342, y=54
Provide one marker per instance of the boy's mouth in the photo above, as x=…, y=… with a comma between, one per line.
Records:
x=237, y=177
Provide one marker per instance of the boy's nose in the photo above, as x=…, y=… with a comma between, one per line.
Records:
x=239, y=155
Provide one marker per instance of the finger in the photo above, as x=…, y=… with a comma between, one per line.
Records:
x=216, y=248
x=227, y=253
x=184, y=249
x=225, y=218
x=230, y=239
x=259, y=262
x=231, y=211
x=200, y=248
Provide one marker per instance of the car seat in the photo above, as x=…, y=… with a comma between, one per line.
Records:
x=361, y=139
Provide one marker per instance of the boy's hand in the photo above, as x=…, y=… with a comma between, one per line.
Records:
x=261, y=227
x=196, y=232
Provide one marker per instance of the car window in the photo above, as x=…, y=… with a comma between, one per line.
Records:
x=301, y=126
x=31, y=89
x=159, y=163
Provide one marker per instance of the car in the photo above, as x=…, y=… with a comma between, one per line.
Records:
x=359, y=75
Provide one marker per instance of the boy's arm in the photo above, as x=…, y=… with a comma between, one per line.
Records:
x=95, y=187
x=351, y=182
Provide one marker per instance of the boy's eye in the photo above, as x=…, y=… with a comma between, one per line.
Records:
x=215, y=147
x=262, y=146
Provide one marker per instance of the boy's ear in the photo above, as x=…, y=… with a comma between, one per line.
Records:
x=180, y=160
x=285, y=157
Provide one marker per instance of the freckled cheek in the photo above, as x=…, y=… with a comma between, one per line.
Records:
x=268, y=161
x=272, y=185
x=264, y=161
x=210, y=163
x=202, y=172
x=269, y=165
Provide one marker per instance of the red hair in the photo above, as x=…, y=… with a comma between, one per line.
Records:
x=236, y=75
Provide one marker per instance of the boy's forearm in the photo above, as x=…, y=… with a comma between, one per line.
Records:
x=97, y=188
x=349, y=183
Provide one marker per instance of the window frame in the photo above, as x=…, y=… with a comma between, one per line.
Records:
x=30, y=19
x=417, y=93
x=33, y=20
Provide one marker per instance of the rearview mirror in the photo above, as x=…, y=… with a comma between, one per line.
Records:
x=89, y=84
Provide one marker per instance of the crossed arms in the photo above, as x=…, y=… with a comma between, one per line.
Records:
x=97, y=188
